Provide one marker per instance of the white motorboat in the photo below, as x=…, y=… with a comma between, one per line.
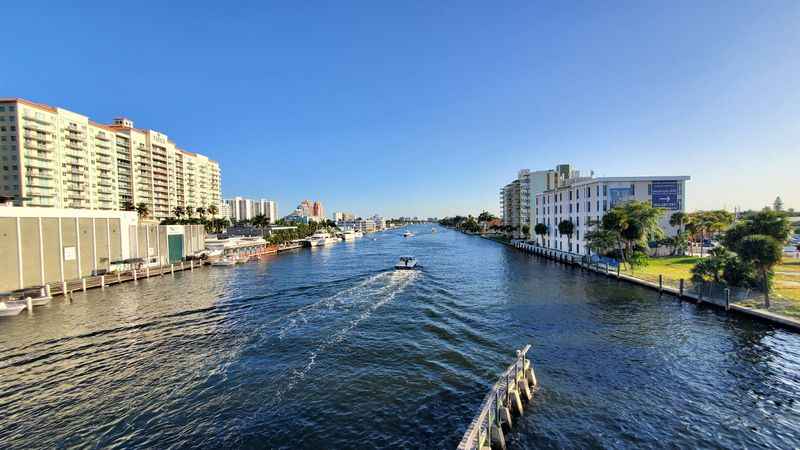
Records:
x=12, y=308
x=40, y=301
x=349, y=235
x=224, y=262
x=406, y=263
x=320, y=238
x=408, y=234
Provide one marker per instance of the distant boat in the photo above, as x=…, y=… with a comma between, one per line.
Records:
x=408, y=234
x=11, y=308
x=406, y=263
x=350, y=235
x=320, y=238
x=433, y=230
x=224, y=262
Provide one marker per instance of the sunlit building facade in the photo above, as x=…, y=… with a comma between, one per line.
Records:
x=53, y=157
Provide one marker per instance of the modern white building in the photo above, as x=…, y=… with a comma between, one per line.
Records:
x=337, y=216
x=267, y=208
x=56, y=158
x=517, y=198
x=584, y=200
x=240, y=209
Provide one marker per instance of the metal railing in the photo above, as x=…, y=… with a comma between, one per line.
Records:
x=478, y=433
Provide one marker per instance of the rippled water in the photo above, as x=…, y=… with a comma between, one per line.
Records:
x=330, y=348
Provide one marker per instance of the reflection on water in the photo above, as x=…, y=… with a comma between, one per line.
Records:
x=331, y=348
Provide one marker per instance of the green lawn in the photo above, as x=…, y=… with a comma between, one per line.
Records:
x=786, y=289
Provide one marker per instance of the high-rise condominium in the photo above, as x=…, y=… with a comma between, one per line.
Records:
x=53, y=157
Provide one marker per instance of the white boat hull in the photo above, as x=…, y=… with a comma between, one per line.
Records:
x=11, y=308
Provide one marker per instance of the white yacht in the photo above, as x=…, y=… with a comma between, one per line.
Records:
x=406, y=263
x=350, y=235
x=321, y=238
x=408, y=234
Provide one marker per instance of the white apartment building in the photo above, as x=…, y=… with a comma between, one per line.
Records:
x=53, y=157
x=362, y=225
x=583, y=200
x=337, y=216
x=266, y=207
x=517, y=198
x=240, y=209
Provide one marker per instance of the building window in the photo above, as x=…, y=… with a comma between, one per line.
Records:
x=577, y=207
x=605, y=205
x=588, y=206
x=633, y=189
x=598, y=206
x=597, y=190
x=588, y=191
x=570, y=195
x=605, y=190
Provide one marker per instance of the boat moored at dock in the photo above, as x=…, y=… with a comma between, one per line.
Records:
x=320, y=238
x=12, y=308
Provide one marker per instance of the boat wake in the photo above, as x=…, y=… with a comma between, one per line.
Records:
x=365, y=298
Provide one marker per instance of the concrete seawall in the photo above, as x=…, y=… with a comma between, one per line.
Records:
x=575, y=260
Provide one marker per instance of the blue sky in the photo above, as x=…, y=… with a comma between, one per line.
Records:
x=427, y=108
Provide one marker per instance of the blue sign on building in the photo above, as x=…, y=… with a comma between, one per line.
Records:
x=664, y=194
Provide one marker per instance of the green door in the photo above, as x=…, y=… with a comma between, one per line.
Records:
x=175, y=242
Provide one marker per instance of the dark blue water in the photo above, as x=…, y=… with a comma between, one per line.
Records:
x=330, y=348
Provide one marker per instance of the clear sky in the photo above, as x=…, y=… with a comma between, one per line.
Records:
x=426, y=108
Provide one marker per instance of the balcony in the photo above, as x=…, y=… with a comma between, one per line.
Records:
x=41, y=137
x=35, y=127
x=75, y=145
x=38, y=155
x=76, y=163
x=39, y=174
x=37, y=182
x=37, y=146
x=103, y=137
x=41, y=193
x=41, y=119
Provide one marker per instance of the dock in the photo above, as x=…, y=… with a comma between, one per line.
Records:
x=507, y=398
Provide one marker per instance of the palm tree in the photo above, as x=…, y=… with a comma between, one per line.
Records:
x=763, y=252
x=541, y=230
x=566, y=227
x=142, y=209
x=526, y=230
x=213, y=210
x=678, y=220
x=128, y=205
x=179, y=211
x=189, y=211
x=201, y=211
x=260, y=221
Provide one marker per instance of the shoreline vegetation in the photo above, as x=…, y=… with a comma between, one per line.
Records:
x=740, y=259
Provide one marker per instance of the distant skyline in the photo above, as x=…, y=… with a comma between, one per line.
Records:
x=423, y=109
